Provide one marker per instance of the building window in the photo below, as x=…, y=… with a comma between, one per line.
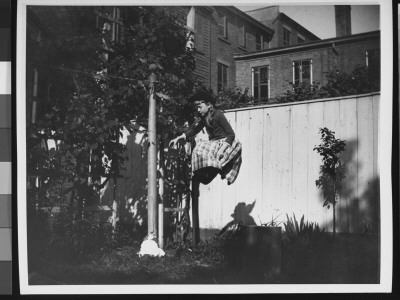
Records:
x=242, y=36
x=302, y=71
x=222, y=30
x=373, y=59
x=260, y=82
x=222, y=76
x=300, y=39
x=262, y=42
x=286, y=36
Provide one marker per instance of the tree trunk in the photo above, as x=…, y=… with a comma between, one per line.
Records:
x=334, y=219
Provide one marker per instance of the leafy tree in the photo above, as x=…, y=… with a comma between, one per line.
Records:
x=332, y=170
x=95, y=87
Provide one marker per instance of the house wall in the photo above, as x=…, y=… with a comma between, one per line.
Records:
x=271, y=17
x=217, y=49
x=323, y=60
x=279, y=168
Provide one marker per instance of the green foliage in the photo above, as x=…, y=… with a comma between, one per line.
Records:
x=303, y=232
x=302, y=92
x=332, y=170
x=73, y=239
x=86, y=99
x=230, y=98
x=360, y=81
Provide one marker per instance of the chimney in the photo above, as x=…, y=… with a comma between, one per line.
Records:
x=342, y=20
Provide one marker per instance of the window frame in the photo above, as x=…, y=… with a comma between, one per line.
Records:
x=301, y=80
x=262, y=41
x=222, y=23
x=288, y=31
x=242, y=29
x=259, y=84
x=224, y=76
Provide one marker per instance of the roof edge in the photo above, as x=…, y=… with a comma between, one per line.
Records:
x=309, y=45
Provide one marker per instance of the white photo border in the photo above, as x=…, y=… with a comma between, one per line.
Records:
x=384, y=149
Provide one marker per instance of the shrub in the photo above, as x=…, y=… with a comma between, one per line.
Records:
x=360, y=81
x=76, y=238
x=305, y=232
x=230, y=98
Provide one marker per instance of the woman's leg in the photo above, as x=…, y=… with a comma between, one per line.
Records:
x=205, y=175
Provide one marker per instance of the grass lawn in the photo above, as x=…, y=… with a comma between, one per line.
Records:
x=350, y=259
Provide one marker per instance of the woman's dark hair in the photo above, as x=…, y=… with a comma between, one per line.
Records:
x=205, y=95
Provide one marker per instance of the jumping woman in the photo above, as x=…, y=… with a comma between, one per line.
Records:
x=221, y=153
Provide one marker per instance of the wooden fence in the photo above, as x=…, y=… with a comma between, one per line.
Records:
x=280, y=168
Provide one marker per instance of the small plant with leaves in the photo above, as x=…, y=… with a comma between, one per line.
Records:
x=304, y=232
x=332, y=170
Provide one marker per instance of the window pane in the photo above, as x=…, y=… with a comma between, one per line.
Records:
x=305, y=72
x=255, y=92
x=222, y=76
x=255, y=71
x=266, y=42
x=242, y=36
x=286, y=37
x=225, y=82
x=258, y=42
x=264, y=91
x=296, y=72
x=264, y=75
x=219, y=73
x=222, y=26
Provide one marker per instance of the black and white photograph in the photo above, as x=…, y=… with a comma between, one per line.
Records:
x=189, y=148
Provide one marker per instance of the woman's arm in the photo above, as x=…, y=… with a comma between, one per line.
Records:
x=188, y=133
x=230, y=134
x=193, y=131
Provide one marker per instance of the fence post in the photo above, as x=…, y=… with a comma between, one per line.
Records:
x=152, y=157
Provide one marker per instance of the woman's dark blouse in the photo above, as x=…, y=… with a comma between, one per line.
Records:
x=219, y=128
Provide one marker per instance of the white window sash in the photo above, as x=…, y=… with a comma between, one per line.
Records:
x=269, y=85
x=293, y=77
x=252, y=81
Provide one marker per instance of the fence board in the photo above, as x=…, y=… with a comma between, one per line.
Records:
x=315, y=210
x=300, y=161
x=229, y=191
x=243, y=133
x=331, y=121
x=284, y=145
x=254, y=181
x=365, y=158
x=272, y=205
x=348, y=208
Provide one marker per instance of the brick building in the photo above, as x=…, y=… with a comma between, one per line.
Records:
x=286, y=30
x=269, y=72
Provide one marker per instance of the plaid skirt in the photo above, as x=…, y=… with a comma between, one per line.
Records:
x=205, y=155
